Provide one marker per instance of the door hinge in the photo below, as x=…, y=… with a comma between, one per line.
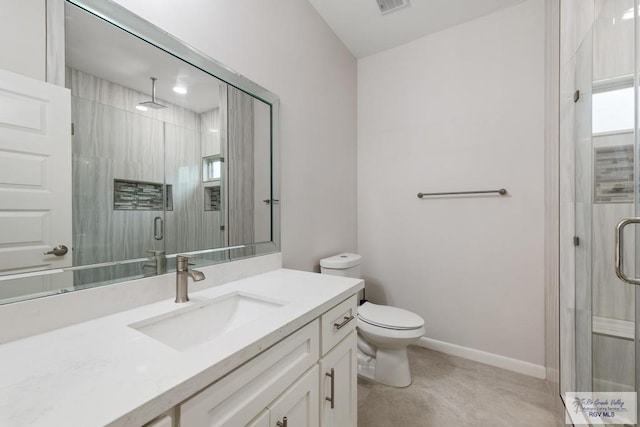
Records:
x=576, y=241
x=576, y=96
x=73, y=129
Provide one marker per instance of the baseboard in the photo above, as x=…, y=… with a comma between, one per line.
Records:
x=492, y=359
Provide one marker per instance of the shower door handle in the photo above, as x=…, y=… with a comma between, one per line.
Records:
x=158, y=228
x=620, y=250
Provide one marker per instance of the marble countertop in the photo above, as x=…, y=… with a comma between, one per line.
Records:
x=103, y=372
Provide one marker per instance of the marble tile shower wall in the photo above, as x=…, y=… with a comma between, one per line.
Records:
x=114, y=141
x=110, y=143
x=95, y=89
x=189, y=225
x=241, y=169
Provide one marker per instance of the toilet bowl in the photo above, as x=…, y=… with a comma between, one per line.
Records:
x=388, y=331
x=384, y=332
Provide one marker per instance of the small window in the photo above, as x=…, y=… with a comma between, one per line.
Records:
x=613, y=110
x=212, y=168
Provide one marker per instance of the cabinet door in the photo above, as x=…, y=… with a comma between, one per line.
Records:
x=299, y=404
x=343, y=360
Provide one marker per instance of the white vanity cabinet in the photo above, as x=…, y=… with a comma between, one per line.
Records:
x=288, y=380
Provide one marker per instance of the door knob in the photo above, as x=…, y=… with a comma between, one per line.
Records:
x=59, y=250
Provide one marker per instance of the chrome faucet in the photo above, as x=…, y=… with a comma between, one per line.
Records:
x=183, y=272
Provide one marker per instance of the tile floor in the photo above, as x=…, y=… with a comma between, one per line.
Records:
x=451, y=391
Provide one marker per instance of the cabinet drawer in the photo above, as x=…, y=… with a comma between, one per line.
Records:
x=338, y=322
x=238, y=398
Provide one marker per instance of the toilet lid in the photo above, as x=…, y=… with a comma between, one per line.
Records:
x=389, y=317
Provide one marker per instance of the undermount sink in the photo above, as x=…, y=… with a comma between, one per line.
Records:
x=204, y=320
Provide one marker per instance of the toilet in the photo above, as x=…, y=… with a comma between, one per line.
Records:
x=384, y=332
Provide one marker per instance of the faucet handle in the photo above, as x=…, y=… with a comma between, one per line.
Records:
x=184, y=259
x=182, y=262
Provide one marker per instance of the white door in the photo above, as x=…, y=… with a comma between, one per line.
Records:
x=341, y=364
x=35, y=174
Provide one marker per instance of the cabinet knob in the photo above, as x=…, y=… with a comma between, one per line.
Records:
x=282, y=423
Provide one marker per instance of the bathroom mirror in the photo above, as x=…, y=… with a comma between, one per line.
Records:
x=172, y=153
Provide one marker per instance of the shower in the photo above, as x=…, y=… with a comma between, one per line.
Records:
x=152, y=104
x=600, y=306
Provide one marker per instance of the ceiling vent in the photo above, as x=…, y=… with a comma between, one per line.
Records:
x=387, y=6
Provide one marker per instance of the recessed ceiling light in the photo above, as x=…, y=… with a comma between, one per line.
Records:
x=141, y=108
x=180, y=89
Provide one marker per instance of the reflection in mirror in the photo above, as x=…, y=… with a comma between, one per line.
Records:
x=165, y=159
x=143, y=121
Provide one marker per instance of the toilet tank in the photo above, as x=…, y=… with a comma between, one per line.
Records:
x=346, y=264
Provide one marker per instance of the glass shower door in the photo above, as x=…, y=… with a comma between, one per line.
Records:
x=606, y=193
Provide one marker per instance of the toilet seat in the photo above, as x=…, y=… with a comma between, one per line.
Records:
x=387, y=317
x=388, y=337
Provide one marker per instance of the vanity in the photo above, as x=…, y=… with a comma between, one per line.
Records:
x=284, y=346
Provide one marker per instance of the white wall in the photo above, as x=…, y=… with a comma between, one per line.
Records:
x=462, y=109
x=22, y=37
x=286, y=47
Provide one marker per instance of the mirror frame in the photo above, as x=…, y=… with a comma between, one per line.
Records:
x=126, y=20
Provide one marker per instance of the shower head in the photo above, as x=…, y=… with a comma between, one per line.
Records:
x=152, y=104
